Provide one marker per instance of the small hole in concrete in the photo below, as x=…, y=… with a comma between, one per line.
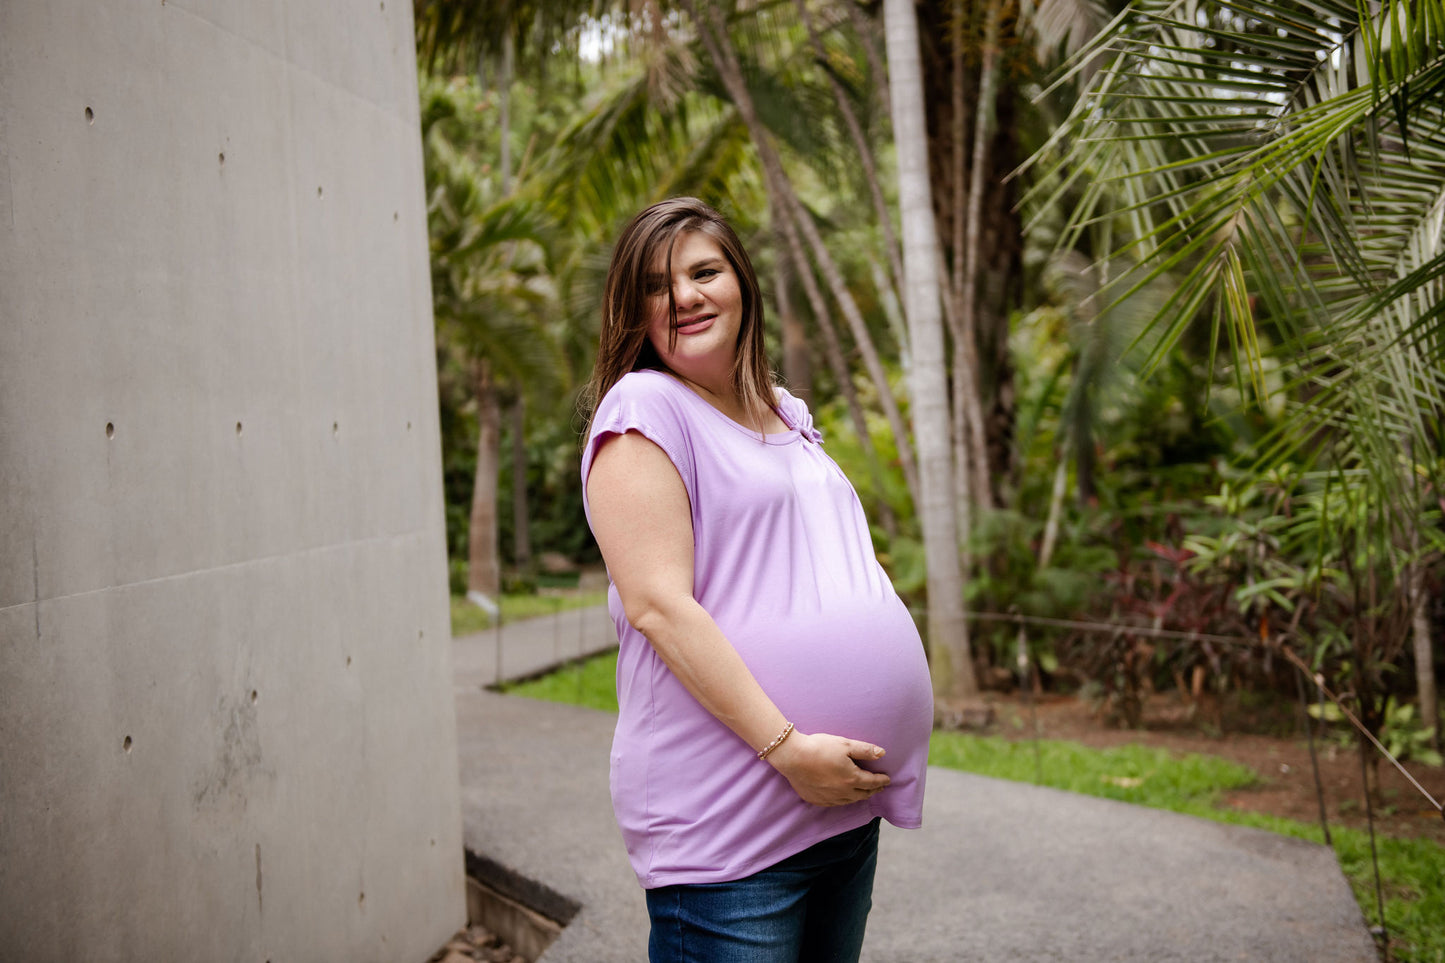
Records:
x=336, y=427
x=396, y=215
x=222, y=156
x=253, y=697
x=420, y=634
x=238, y=428
x=110, y=429
x=408, y=426
x=383, y=6
x=361, y=900
x=318, y=190
x=89, y=116
x=348, y=661
x=126, y=744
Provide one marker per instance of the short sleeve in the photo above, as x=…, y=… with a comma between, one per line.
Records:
x=646, y=402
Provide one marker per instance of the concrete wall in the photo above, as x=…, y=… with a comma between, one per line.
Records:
x=226, y=718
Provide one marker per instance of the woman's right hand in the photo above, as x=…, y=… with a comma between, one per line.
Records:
x=821, y=770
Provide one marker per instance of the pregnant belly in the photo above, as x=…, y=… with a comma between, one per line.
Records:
x=857, y=670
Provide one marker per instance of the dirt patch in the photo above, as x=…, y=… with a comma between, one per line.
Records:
x=1286, y=784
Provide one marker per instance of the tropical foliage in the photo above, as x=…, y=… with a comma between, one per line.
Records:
x=1191, y=372
x=1207, y=377
x=1280, y=167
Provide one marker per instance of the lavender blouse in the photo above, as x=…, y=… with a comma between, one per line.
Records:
x=784, y=564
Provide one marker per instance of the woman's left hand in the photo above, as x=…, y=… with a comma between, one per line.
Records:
x=822, y=771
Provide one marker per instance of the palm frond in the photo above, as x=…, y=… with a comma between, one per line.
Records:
x=1284, y=165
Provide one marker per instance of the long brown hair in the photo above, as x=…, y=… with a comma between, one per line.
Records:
x=624, y=347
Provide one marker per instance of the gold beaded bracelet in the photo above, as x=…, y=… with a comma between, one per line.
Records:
x=787, y=731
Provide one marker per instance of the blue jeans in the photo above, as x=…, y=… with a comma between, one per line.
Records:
x=809, y=908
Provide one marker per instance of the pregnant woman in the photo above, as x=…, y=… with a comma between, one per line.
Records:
x=774, y=696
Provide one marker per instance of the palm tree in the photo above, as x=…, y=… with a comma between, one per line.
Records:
x=1283, y=164
x=952, y=661
x=490, y=277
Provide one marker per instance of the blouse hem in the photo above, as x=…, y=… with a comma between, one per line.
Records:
x=659, y=880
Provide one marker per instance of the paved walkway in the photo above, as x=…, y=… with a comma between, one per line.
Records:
x=1000, y=871
x=521, y=650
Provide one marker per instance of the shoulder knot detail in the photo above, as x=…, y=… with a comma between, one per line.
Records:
x=796, y=412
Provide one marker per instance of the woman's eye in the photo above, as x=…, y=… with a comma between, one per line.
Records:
x=706, y=273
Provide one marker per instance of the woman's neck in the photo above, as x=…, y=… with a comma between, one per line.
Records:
x=729, y=401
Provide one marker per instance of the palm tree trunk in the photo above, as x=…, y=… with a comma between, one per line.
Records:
x=968, y=365
x=958, y=134
x=484, y=564
x=833, y=352
x=1056, y=511
x=952, y=661
x=957, y=431
x=865, y=153
x=714, y=36
x=892, y=309
x=484, y=576
x=872, y=363
x=521, y=527
x=504, y=85
x=1418, y=599
x=797, y=360
x=867, y=32
x=838, y=364
x=1424, y=651
x=953, y=298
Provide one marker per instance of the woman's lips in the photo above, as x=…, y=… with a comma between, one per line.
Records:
x=694, y=325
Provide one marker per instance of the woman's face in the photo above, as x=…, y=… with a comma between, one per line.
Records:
x=709, y=310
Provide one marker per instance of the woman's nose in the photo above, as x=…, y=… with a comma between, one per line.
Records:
x=686, y=292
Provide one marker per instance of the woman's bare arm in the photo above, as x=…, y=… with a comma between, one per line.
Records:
x=643, y=524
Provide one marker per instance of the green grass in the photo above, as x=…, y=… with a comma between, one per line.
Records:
x=1413, y=870
x=1132, y=773
x=591, y=683
x=468, y=618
